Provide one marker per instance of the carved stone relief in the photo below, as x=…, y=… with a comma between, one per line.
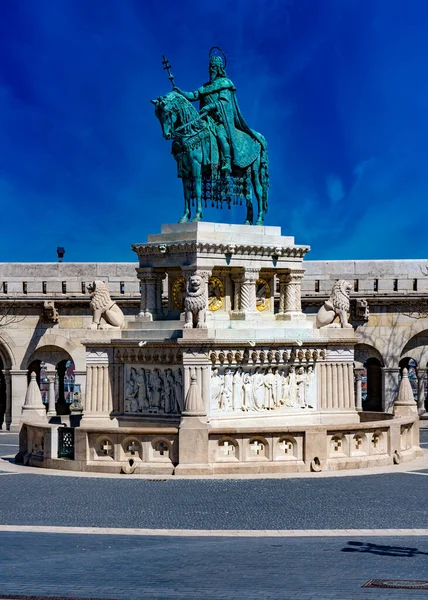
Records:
x=153, y=390
x=262, y=389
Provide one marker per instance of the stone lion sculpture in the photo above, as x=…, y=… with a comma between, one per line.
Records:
x=106, y=313
x=337, y=305
x=195, y=303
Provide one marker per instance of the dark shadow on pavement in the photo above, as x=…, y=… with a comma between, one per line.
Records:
x=369, y=548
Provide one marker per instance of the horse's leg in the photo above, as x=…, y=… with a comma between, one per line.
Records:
x=258, y=190
x=249, y=219
x=196, y=158
x=186, y=191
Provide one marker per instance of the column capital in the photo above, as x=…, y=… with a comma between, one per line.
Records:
x=295, y=275
x=148, y=273
x=358, y=373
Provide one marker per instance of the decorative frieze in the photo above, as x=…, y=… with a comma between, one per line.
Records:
x=265, y=356
x=248, y=390
x=152, y=355
x=159, y=250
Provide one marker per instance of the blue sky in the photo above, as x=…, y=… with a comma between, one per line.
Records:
x=338, y=87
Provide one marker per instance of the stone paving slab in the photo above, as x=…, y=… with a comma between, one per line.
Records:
x=129, y=568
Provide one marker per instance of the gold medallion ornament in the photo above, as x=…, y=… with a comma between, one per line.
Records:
x=215, y=294
x=178, y=294
x=262, y=295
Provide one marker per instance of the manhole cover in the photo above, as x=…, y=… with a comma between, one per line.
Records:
x=397, y=584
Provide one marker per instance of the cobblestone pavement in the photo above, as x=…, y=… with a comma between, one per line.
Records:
x=363, y=502
x=204, y=568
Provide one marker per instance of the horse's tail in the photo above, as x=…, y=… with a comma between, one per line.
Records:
x=264, y=173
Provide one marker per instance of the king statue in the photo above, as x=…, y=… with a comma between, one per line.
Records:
x=219, y=157
x=218, y=105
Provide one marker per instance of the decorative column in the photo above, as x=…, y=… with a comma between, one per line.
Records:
x=390, y=377
x=358, y=374
x=248, y=291
x=193, y=433
x=151, y=294
x=290, y=296
x=51, y=376
x=8, y=412
x=19, y=390
x=62, y=408
x=80, y=379
x=98, y=398
x=421, y=390
x=237, y=279
x=283, y=279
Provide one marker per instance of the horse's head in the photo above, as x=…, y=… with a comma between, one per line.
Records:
x=166, y=114
x=173, y=111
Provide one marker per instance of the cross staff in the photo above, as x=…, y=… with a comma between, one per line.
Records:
x=167, y=67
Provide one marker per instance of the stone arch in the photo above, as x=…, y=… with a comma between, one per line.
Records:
x=61, y=343
x=420, y=326
x=53, y=354
x=416, y=348
x=7, y=362
x=369, y=362
x=414, y=356
x=6, y=350
x=365, y=351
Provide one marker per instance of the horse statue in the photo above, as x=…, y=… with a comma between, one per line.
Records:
x=195, y=147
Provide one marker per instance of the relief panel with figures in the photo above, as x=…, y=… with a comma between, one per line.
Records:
x=153, y=390
x=262, y=389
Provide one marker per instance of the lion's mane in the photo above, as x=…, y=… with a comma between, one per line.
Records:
x=100, y=296
x=340, y=296
x=196, y=299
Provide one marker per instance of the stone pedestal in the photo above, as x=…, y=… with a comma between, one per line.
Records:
x=214, y=381
x=193, y=447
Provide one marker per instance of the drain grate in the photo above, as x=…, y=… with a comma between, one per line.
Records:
x=397, y=584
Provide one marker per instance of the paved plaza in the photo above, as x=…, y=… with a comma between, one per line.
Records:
x=128, y=537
